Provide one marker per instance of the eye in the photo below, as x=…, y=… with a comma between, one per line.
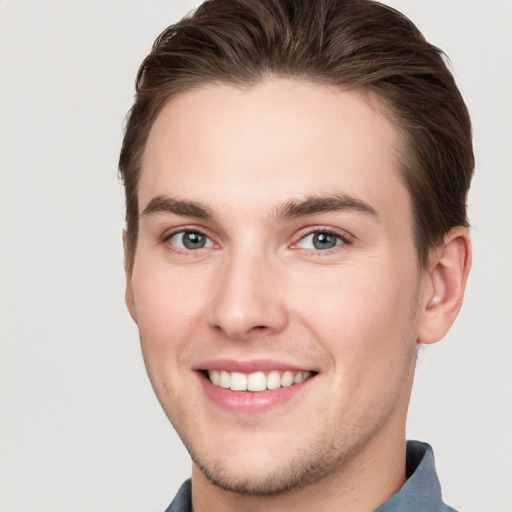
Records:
x=321, y=241
x=190, y=240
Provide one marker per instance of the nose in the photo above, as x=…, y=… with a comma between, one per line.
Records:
x=248, y=301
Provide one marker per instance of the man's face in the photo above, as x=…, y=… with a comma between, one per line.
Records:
x=275, y=245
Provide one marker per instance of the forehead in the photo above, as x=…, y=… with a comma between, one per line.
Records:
x=265, y=144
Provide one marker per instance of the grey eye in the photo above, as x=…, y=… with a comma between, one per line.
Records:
x=190, y=240
x=320, y=241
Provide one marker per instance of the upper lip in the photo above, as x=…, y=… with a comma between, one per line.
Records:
x=250, y=366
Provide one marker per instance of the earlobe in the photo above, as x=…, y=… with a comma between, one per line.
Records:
x=450, y=265
x=128, y=295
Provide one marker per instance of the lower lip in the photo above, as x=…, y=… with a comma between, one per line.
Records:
x=252, y=401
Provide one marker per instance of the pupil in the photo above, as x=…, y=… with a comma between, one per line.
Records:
x=324, y=241
x=193, y=240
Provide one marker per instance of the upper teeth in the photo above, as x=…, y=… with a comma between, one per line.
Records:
x=257, y=381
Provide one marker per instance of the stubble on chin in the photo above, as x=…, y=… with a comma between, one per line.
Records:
x=306, y=468
x=308, y=465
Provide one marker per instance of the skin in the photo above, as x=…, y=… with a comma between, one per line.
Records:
x=260, y=289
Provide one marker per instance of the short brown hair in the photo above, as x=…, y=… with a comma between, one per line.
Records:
x=352, y=44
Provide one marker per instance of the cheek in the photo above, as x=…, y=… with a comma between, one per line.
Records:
x=169, y=305
x=366, y=327
x=167, y=317
x=362, y=318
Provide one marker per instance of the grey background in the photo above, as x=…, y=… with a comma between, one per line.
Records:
x=80, y=429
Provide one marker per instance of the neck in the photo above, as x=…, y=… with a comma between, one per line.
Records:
x=361, y=484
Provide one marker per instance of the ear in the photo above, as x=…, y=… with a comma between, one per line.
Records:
x=449, y=267
x=128, y=294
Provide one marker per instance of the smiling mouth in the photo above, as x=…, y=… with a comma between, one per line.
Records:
x=256, y=381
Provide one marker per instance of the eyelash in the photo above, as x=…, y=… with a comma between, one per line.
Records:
x=166, y=237
x=342, y=236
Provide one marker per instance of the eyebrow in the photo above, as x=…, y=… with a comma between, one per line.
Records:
x=322, y=204
x=292, y=209
x=167, y=204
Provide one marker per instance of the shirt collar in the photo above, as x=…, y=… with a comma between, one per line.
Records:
x=422, y=491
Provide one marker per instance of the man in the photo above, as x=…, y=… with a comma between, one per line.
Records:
x=296, y=176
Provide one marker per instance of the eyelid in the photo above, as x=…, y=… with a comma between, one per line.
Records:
x=167, y=235
x=344, y=236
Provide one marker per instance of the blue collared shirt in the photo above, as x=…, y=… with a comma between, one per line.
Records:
x=420, y=493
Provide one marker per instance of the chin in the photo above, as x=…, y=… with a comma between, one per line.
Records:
x=267, y=482
x=272, y=475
